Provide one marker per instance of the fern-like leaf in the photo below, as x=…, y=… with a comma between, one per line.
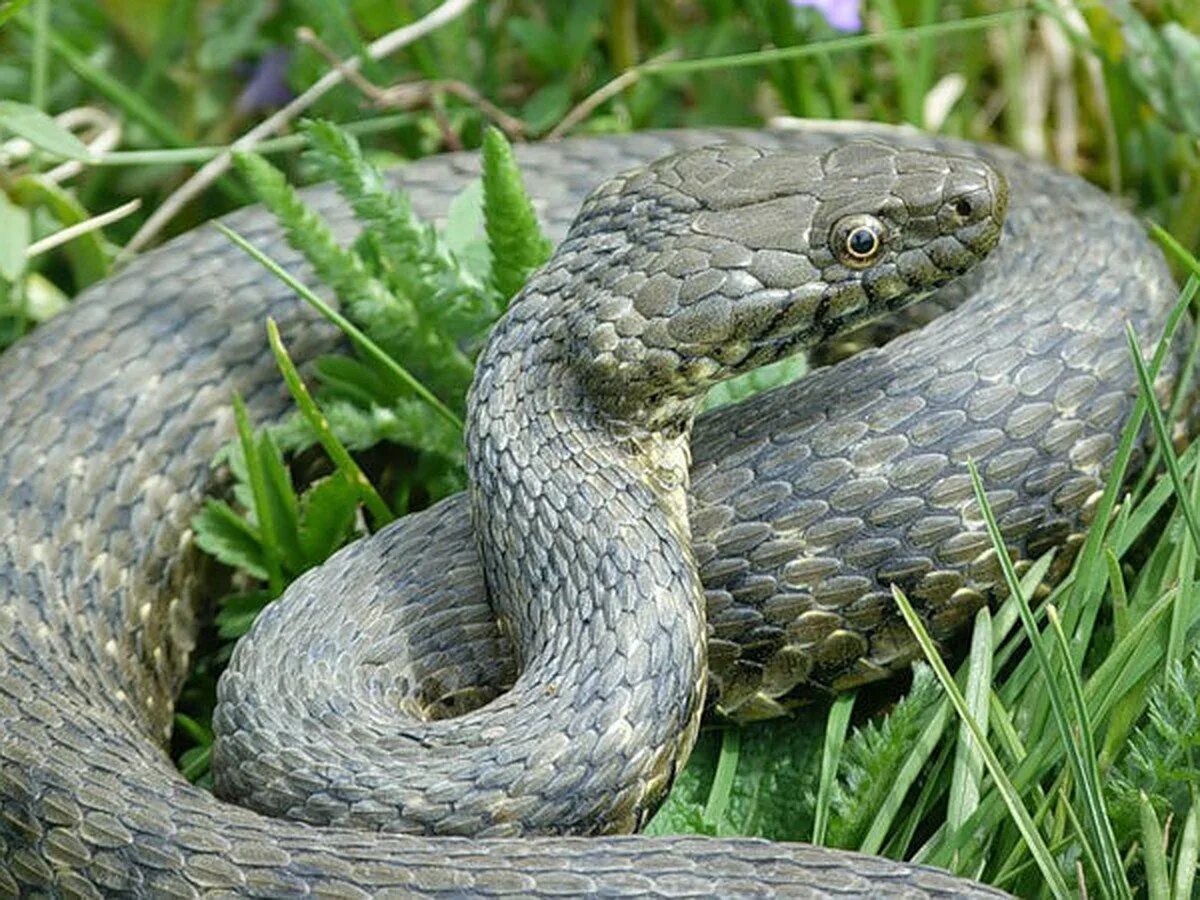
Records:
x=1162, y=758
x=398, y=247
x=872, y=755
x=517, y=243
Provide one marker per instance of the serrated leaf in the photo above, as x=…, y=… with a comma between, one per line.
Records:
x=42, y=131
x=327, y=515
x=515, y=238
x=683, y=810
x=280, y=495
x=772, y=793
x=238, y=612
x=222, y=533
x=873, y=753
x=357, y=380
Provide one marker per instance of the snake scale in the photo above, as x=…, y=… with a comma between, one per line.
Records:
x=804, y=504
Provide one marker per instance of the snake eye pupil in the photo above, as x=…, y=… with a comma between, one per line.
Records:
x=862, y=242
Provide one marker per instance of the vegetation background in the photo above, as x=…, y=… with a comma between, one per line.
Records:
x=115, y=121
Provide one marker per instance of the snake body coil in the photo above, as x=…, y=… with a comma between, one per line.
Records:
x=805, y=503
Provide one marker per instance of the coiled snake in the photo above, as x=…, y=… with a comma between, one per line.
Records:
x=805, y=503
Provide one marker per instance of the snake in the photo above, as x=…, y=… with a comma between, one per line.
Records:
x=483, y=698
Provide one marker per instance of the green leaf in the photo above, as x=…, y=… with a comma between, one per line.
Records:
x=42, y=131
x=222, y=533
x=515, y=238
x=837, y=723
x=772, y=795
x=258, y=492
x=327, y=515
x=547, y=106
x=15, y=226
x=683, y=810
x=1012, y=800
x=679, y=817
x=238, y=612
x=320, y=426
x=195, y=763
x=283, y=530
x=765, y=789
x=1154, y=853
x=10, y=9
x=88, y=253
x=463, y=233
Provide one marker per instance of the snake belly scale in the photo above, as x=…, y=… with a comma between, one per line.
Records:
x=804, y=502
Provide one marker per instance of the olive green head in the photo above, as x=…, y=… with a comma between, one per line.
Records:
x=717, y=260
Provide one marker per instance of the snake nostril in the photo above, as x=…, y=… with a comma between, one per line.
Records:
x=964, y=207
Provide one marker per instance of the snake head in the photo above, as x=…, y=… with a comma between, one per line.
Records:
x=715, y=261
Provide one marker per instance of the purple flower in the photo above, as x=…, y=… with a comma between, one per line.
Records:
x=266, y=83
x=844, y=15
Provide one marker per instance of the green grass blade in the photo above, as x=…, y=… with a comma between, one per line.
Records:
x=364, y=343
x=118, y=94
x=258, y=489
x=1146, y=384
x=722, y=784
x=1188, y=854
x=1112, y=879
x=1090, y=782
x=1091, y=573
x=836, y=724
x=968, y=760
x=320, y=425
x=817, y=48
x=1020, y=815
x=1154, y=851
x=906, y=776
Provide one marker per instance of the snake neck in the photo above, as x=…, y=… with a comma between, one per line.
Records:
x=582, y=526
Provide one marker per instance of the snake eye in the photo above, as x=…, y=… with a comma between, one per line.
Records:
x=857, y=240
x=862, y=242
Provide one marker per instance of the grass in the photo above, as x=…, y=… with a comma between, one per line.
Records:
x=1058, y=754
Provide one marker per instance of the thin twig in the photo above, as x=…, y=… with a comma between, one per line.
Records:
x=622, y=82
x=412, y=94
x=626, y=79
x=71, y=232
x=213, y=169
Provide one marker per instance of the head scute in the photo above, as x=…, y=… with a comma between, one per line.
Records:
x=722, y=258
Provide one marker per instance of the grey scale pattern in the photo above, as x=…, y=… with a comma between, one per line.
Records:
x=804, y=504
